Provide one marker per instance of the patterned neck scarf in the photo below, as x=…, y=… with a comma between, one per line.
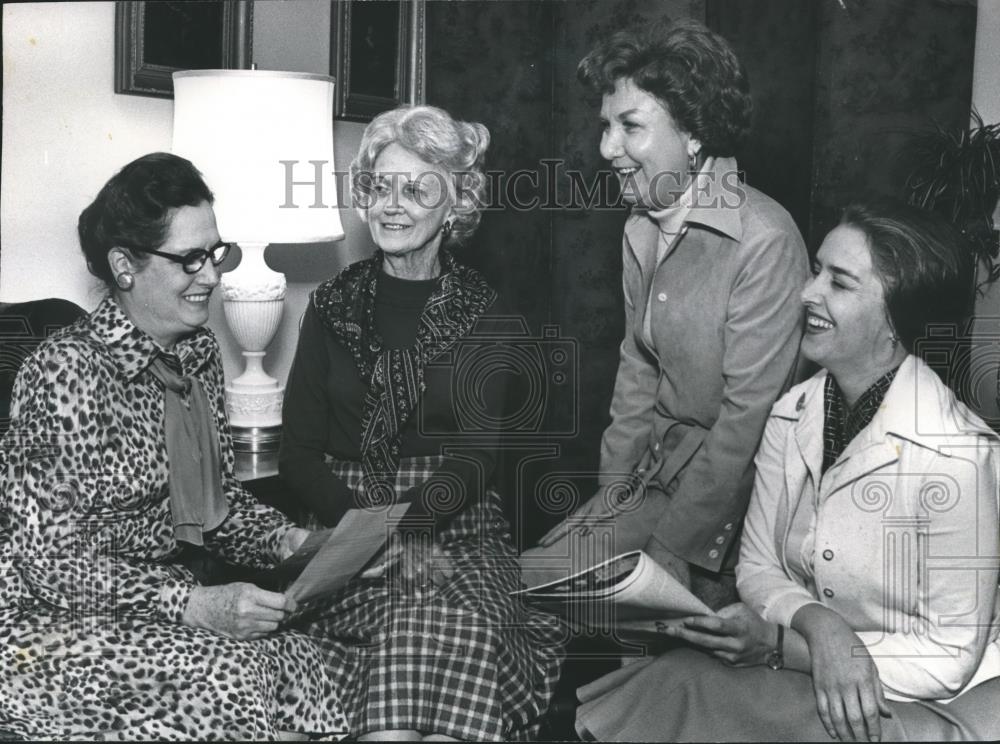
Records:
x=842, y=423
x=197, y=501
x=395, y=377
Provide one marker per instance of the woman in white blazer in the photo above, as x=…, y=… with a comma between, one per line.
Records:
x=869, y=562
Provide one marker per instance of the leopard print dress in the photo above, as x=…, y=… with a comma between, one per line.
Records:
x=91, y=589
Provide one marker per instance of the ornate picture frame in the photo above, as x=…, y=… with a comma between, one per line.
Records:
x=155, y=38
x=377, y=56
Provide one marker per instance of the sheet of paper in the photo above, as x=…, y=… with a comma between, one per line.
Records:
x=657, y=594
x=588, y=580
x=351, y=544
x=309, y=547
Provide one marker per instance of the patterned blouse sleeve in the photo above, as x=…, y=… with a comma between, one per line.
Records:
x=252, y=532
x=71, y=545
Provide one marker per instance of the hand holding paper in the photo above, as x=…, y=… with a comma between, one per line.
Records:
x=328, y=559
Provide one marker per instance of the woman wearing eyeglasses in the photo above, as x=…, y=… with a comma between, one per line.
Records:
x=118, y=466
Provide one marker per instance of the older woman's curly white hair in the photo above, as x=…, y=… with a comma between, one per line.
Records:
x=434, y=136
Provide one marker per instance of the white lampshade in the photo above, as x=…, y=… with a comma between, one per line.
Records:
x=264, y=142
x=237, y=126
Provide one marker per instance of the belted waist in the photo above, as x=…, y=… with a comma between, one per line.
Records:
x=667, y=456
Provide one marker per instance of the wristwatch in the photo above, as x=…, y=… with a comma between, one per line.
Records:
x=776, y=659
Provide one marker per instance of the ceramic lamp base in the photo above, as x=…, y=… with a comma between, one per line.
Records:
x=253, y=300
x=254, y=406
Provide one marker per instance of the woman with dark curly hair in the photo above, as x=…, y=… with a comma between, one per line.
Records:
x=711, y=272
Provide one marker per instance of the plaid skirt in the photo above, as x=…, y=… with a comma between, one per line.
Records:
x=463, y=659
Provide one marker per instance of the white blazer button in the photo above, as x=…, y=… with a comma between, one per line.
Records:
x=662, y=297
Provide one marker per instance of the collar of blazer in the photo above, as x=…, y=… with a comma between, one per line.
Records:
x=917, y=408
x=716, y=202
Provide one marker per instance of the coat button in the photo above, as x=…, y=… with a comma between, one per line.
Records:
x=828, y=592
x=662, y=296
x=713, y=554
x=729, y=525
x=719, y=540
x=828, y=555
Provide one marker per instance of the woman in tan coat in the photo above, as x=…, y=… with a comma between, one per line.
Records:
x=712, y=269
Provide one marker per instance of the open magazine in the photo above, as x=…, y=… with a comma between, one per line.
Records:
x=630, y=593
x=329, y=558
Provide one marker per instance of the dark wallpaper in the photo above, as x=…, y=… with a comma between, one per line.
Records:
x=884, y=70
x=836, y=86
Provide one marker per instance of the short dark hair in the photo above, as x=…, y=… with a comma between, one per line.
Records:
x=132, y=210
x=690, y=69
x=922, y=262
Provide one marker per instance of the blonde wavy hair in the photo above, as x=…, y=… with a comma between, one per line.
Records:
x=434, y=136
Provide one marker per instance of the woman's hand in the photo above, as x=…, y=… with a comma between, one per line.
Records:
x=417, y=562
x=241, y=611
x=737, y=635
x=424, y=562
x=595, y=509
x=551, y=560
x=291, y=541
x=849, y=696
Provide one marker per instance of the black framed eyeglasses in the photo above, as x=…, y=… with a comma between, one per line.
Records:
x=193, y=261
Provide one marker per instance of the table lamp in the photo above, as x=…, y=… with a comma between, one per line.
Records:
x=263, y=140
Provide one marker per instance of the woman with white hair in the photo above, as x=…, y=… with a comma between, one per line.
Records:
x=432, y=646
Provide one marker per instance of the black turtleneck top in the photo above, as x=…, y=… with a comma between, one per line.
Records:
x=324, y=403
